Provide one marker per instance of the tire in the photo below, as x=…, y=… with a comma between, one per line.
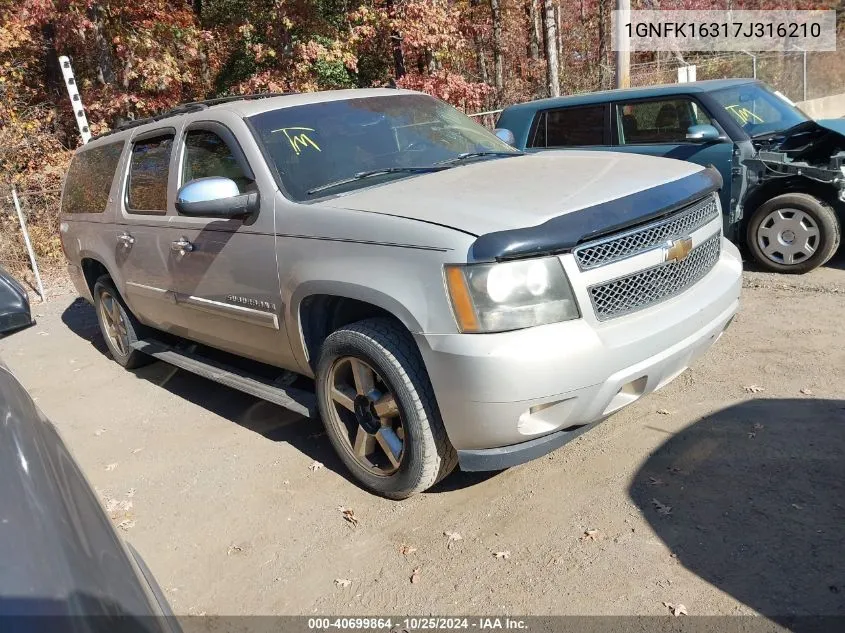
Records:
x=778, y=217
x=107, y=300
x=385, y=348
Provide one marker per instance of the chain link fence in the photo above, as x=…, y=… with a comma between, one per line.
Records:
x=40, y=208
x=799, y=75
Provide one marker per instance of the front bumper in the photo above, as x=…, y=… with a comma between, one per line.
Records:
x=510, y=397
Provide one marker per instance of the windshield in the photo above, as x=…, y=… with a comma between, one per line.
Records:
x=759, y=110
x=321, y=144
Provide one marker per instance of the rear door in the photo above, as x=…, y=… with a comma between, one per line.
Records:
x=658, y=127
x=139, y=233
x=224, y=271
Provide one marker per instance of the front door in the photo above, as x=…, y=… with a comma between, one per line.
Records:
x=658, y=127
x=224, y=272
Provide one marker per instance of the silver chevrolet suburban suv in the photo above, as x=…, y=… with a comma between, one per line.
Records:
x=378, y=259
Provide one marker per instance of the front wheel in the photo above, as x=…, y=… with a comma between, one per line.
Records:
x=793, y=233
x=379, y=410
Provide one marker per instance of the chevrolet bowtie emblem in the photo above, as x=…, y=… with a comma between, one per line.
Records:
x=677, y=250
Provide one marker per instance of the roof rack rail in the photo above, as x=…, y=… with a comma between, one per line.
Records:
x=191, y=106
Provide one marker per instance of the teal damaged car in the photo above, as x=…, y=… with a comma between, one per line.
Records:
x=784, y=173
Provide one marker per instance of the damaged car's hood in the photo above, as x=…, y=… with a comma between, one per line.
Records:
x=811, y=141
x=525, y=191
x=835, y=125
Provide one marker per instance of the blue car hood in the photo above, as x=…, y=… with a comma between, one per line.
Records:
x=835, y=125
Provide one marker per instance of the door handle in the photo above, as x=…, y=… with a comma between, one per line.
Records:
x=125, y=239
x=181, y=246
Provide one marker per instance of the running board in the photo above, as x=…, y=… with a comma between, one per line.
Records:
x=297, y=400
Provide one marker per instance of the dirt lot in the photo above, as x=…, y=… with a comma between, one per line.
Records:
x=723, y=492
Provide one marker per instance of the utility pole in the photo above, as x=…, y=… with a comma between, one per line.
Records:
x=623, y=57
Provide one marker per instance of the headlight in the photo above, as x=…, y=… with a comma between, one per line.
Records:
x=510, y=295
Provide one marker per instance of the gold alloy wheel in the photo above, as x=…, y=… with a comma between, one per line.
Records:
x=115, y=325
x=365, y=412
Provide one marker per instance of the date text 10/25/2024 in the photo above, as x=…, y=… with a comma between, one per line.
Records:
x=409, y=625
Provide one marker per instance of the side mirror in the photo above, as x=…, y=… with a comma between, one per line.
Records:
x=703, y=133
x=505, y=135
x=14, y=305
x=215, y=197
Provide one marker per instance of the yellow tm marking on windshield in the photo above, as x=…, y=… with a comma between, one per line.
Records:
x=298, y=138
x=743, y=114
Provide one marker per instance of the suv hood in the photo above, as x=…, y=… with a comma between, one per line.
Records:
x=524, y=191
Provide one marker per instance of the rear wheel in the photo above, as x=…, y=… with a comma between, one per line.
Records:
x=117, y=324
x=379, y=409
x=793, y=233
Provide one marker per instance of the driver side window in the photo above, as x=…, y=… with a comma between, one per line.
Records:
x=206, y=154
x=654, y=122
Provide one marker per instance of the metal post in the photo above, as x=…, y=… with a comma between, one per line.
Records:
x=805, y=75
x=75, y=99
x=28, y=244
x=623, y=57
x=753, y=63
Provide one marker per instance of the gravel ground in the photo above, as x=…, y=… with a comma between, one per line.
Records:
x=722, y=492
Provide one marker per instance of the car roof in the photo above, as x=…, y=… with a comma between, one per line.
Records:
x=245, y=106
x=605, y=96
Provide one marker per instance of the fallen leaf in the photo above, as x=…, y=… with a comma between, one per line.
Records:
x=315, y=466
x=502, y=555
x=406, y=550
x=661, y=508
x=234, y=549
x=752, y=435
x=111, y=466
x=99, y=432
x=655, y=481
x=663, y=412
x=590, y=535
x=126, y=524
x=806, y=391
x=453, y=537
x=135, y=451
x=676, y=609
x=415, y=576
x=753, y=389
x=349, y=515
x=286, y=482
x=342, y=582
x=797, y=507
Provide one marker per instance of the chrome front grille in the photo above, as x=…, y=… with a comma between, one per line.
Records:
x=646, y=287
x=643, y=238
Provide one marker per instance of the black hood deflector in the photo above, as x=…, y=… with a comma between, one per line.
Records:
x=562, y=233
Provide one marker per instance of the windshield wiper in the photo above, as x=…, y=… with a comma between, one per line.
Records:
x=466, y=155
x=361, y=175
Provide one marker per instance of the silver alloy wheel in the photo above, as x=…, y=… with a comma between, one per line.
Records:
x=115, y=325
x=788, y=236
x=365, y=411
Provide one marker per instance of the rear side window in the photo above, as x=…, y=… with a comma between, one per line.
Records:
x=89, y=179
x=206, y=154
x=148, y=169
x=570, y=127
